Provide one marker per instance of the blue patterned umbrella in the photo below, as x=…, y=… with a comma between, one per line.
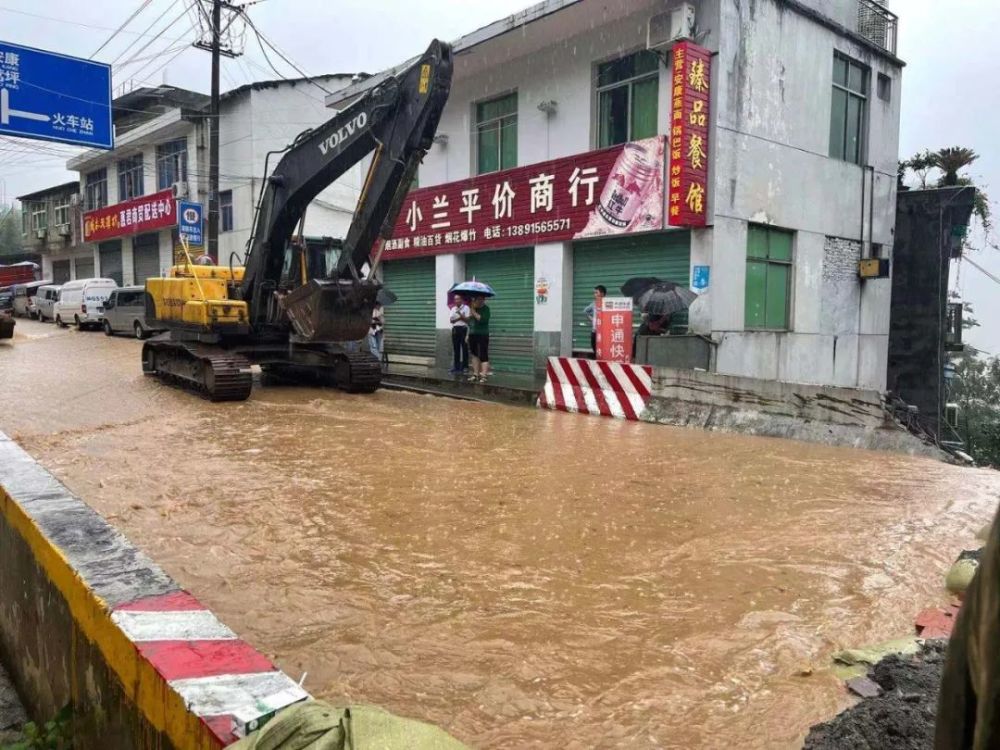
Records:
x=474, y=287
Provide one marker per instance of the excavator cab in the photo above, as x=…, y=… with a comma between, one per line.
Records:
x=319, y=306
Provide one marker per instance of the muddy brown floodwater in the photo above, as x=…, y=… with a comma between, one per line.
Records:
x=520, y=578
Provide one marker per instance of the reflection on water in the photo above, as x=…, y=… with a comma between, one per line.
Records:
x=517, y=577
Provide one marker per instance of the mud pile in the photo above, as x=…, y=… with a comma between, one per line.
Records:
x=901, y=716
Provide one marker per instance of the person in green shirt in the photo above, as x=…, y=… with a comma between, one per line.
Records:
x=479, y=340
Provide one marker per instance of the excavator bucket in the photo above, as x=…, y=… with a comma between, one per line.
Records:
x=332, y=309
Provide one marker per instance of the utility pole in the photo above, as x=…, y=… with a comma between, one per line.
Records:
x=213, y=140
x=215, y=46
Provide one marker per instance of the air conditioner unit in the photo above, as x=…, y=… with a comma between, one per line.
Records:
x=180, y=189
x=663, y=29
x=64, y=230
x=41, y=233
x=76, y=199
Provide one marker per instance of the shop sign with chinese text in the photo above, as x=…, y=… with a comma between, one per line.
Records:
x=145, y=214
x=614, y=330
x=617, y=190
x=690, y=85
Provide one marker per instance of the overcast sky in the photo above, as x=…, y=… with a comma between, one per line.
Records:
x=950, y=91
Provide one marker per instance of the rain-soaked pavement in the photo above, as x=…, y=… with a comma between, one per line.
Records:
x=521, y=578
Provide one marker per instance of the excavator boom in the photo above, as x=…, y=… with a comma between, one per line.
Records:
x=395, y=122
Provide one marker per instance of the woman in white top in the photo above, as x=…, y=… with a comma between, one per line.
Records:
x=460, y=314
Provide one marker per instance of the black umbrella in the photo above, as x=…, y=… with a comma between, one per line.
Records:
x=664, y=298
x=637, y=285
x=385, y=297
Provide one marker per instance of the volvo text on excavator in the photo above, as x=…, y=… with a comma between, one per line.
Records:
x=295, y=308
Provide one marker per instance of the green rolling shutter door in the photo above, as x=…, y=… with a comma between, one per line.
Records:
x=409, y=322
x=612, y=262
x=511, y=273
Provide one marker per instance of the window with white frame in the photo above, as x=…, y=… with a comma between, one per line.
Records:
x=39, y=215
x=130, y=175
x=848, y=116
x=496, y=134
x=627, y=98
x=96, y=189
x=62, y=210
x=171, y=163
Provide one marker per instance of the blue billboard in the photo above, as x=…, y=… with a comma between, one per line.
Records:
x=53, y=97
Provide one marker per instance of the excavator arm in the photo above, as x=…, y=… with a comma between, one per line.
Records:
x=395, y=122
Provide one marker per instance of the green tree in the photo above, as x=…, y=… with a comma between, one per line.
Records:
x=11, y=241
x=922, y=164
x=976, y=390
x=950, y=160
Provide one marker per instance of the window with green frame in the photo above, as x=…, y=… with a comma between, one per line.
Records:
x=496, y=134
x=769, y=278
x=627, y=93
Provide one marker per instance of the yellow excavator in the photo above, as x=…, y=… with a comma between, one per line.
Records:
x=297, y=309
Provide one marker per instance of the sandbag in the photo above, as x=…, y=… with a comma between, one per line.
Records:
x=960, y=574
x=316, y=725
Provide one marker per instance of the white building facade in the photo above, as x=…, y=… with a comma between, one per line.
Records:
x=801, y=177
x=129, y=195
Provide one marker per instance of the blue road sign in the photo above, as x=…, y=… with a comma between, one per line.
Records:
x=53, y=97
x=699, y=278
x=189, y=222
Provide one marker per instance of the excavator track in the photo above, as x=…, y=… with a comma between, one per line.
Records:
x=354, y=372
x=216, y=374
x=358, y=372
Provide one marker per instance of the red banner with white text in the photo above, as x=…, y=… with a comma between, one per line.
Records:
x=617, y=190
x=148, y=213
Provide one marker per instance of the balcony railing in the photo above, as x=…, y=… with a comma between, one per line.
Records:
x=878, y=24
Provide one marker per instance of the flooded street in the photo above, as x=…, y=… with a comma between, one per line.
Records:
x=518, y=577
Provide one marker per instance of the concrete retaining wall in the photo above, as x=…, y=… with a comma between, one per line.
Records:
x=822, y=414
x=88, y=619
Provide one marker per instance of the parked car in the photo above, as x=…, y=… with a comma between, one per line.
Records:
x=7, y=300
x=24, y=294
x=81, y=302
x=125, y=311
x=45, y=300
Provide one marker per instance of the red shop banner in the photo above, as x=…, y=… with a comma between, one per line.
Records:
x=688, y=188
x=145, y=214
x=617, y=190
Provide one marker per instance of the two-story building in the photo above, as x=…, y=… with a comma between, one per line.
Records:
x=583, y=144
x=50, y=226
x=129, y=194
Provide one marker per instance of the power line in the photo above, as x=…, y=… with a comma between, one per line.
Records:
x=982, y=270
x=261, y=39
x=160, y=33
x=117, y=31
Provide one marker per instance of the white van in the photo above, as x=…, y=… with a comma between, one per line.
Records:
x=81, y=302
x=45, y=301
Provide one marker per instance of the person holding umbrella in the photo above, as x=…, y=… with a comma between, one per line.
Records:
x=479, y=340
x=479, y=318
x=459, y=317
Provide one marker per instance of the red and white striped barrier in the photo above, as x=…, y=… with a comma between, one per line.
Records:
x=223, y=680
x=590, y=386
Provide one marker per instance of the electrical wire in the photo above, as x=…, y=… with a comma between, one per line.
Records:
x=134, y=58
x=116, y=32
x=262, y=39
x=146, y=32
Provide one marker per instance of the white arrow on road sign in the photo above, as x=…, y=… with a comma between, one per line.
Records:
x=6, y=112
